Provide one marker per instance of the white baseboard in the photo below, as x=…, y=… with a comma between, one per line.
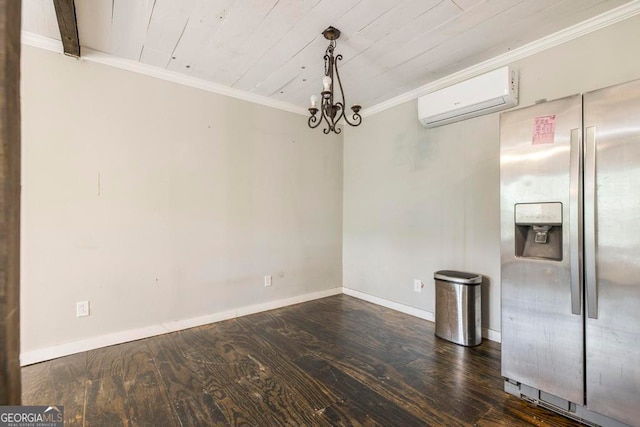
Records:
x=48, y=353
x=492, y=335
x=423, y=314
x=489, y=334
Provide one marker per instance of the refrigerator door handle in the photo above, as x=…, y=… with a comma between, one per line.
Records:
x=575, y=221
x=590, y=221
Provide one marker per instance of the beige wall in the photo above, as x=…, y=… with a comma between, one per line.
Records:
x=418, y=200
x=160, y=203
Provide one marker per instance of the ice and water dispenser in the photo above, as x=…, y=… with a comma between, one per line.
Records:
x=538, y=230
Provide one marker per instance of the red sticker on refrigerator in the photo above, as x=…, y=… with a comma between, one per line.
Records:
x=544, y=129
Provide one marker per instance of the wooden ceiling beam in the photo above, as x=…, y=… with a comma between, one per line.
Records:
x=66, y=14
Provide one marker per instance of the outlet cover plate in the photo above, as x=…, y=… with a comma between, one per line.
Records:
x=82, y=308
x=417, y=285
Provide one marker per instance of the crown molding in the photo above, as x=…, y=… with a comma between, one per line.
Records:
x=90, y=55
x=596, y=23
x=42, y=42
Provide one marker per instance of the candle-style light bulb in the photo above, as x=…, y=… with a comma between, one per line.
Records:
x=326, y=83
x=314, y=101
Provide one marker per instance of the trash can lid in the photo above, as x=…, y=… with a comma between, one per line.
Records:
x=458, y=277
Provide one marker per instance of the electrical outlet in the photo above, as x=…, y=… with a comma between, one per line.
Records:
x=82, y=308
x=267, y=281
x=417, y=285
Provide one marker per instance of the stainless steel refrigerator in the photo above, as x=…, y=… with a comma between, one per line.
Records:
x=570, y=254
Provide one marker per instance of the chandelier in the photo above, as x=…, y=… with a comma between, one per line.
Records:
x=331, y=108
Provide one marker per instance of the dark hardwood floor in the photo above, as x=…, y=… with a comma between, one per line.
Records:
x=334, y=361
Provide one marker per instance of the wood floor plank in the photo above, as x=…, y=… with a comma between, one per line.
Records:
x=380, y=376
x=337, y=361
x=124, y=388
x=363, y=403
x=382, y=355
x=233, y=367
x=446, y=375
x=518, y=413
x=60, y=381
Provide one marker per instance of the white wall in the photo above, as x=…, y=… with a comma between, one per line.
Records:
x=160, y=203
x=419, y=200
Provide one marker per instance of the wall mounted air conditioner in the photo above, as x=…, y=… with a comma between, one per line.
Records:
x=494, y=91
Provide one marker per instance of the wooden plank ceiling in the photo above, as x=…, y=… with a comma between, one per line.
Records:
x=275, y=47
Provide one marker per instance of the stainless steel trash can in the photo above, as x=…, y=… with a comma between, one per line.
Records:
x=459, y=307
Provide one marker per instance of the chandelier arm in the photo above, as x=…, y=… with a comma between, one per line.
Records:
x=335, y=66
x=357, y=119
x=314, y=119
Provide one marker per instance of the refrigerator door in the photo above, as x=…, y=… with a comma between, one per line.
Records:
x=612, y=200
x=542, y=323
